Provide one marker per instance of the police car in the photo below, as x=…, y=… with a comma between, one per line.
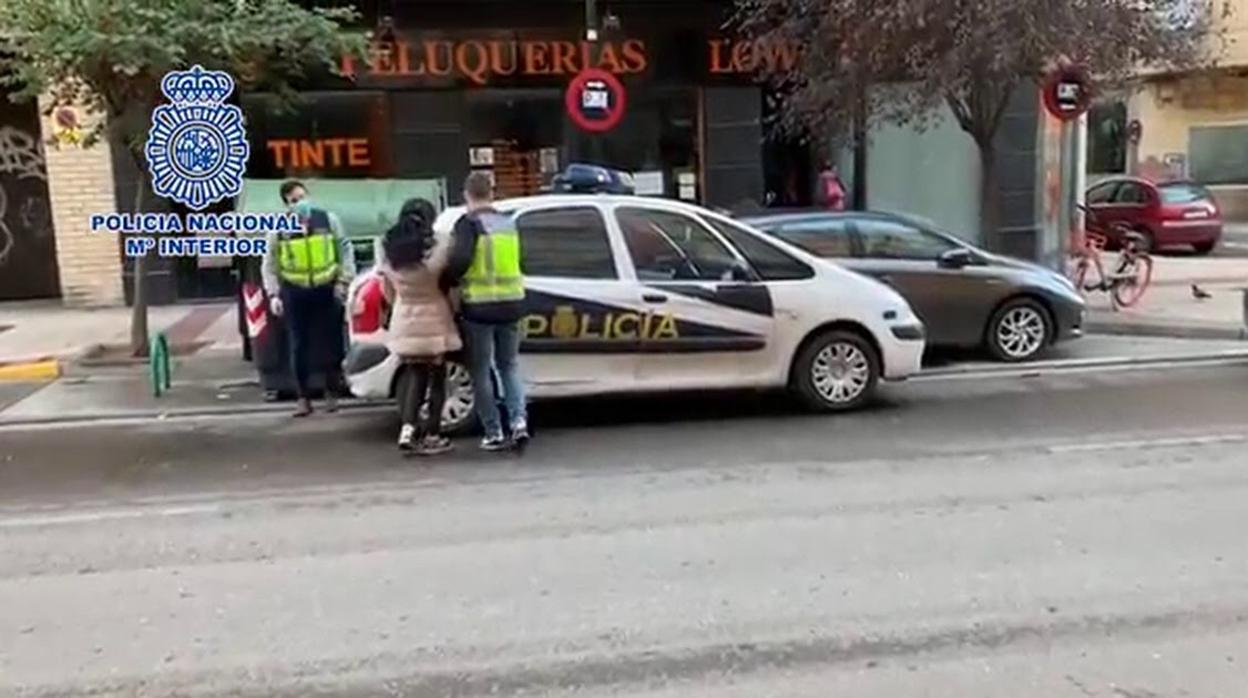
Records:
x=628, y=294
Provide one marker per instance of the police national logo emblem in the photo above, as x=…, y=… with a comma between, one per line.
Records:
x=197, y=149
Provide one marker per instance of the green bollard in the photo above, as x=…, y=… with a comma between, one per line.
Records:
x=158, y=361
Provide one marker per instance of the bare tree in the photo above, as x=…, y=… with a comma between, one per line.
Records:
x=912, y=56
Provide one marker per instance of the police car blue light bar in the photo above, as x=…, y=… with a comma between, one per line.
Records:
x=581, y=178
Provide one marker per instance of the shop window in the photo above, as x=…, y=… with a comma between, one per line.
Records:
x=1219, y=154
x=669, y=246
x=567, y=242
x=1107, y=138
x=771, y=263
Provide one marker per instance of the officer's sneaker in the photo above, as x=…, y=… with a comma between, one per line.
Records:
x=406, y=436
x=494, y=442
x=520, y=432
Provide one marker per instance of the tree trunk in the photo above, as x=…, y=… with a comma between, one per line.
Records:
x=139, y=340
x=989, y=196
x=858, y=201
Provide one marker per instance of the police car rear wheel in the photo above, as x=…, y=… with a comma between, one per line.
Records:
x=458, y=413
x=836, y=371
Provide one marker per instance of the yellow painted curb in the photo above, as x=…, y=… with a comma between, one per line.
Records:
x=48, y=369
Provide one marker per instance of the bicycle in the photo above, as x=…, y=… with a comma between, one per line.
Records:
x=1132, y=271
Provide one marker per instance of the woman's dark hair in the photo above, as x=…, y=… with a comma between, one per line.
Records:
x=409, y=241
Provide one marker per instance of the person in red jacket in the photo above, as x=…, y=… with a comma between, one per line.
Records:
x=831, y=188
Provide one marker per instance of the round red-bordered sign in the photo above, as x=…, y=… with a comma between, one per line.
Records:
x=595, y=100
x=1067, y=92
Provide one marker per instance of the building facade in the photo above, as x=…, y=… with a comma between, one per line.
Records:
x=1196, y=125
x=455, y=86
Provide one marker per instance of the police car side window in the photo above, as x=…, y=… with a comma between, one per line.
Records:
x=667, y=246
x=770, y=263
x=565, y=242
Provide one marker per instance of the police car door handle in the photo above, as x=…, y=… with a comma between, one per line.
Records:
x=654, y=298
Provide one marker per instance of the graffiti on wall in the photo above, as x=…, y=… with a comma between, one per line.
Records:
x=21, y=158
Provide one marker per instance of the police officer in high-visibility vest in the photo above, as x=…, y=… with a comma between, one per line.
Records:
x=485, y=263
x=306, y=276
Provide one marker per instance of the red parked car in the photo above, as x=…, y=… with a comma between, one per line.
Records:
x=1167, y=214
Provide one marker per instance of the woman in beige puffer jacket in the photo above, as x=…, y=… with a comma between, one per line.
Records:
x=422, y=325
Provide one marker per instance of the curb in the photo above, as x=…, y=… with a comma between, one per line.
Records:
x=1156, y=329
x=1072, y=365
x=355, y=406
x=35, y=370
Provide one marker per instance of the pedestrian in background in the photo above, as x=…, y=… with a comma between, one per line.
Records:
x=485, y=261
x=306, y=275
x=422, y=324
x=831, y=189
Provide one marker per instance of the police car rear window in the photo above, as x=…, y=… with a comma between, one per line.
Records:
x=566, y=243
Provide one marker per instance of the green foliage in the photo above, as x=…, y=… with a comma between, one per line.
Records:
x=113, y=53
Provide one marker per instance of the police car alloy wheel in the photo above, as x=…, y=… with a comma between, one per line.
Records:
x=458, y=412
x=836, y=371
x=1019, y=330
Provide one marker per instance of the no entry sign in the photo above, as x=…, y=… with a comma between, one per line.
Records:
x=595, y=100
x=1067, y=92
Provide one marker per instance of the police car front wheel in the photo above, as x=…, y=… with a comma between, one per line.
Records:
x=837, y=370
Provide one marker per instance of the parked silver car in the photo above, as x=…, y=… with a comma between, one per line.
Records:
x=967, y=297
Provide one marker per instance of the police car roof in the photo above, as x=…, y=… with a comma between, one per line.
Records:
x=585, y=199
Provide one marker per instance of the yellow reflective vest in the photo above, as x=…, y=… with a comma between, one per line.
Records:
x=310, y=258
x=494, y=276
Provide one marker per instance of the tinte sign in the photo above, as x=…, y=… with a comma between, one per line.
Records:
x=481, y=61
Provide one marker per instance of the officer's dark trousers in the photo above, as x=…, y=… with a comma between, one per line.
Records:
x=313, y=324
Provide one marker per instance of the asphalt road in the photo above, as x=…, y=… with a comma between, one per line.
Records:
x=1072, y=535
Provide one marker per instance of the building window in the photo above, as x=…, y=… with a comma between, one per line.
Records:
x=1219, y=154
x=1107, y=138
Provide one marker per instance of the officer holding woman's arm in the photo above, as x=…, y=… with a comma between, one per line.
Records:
x=485, y=264
x=306, y=276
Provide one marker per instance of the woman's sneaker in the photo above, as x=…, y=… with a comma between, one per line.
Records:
x=433, y=446
x=406, y=435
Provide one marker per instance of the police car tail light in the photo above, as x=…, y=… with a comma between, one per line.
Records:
x=367, y=308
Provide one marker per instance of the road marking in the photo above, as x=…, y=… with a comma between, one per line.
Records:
x=1113, y=364
x=106, y=515
x=1149, y=443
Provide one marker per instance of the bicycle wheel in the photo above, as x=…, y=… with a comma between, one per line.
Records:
x=1088, y=273
x=1132, y=280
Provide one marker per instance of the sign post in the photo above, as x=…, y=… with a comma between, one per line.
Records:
x=1067, y=96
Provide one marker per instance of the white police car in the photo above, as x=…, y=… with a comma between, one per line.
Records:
x=627, y=294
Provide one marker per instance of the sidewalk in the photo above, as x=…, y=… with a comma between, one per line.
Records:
x=40, y=330
x=1170, y=307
